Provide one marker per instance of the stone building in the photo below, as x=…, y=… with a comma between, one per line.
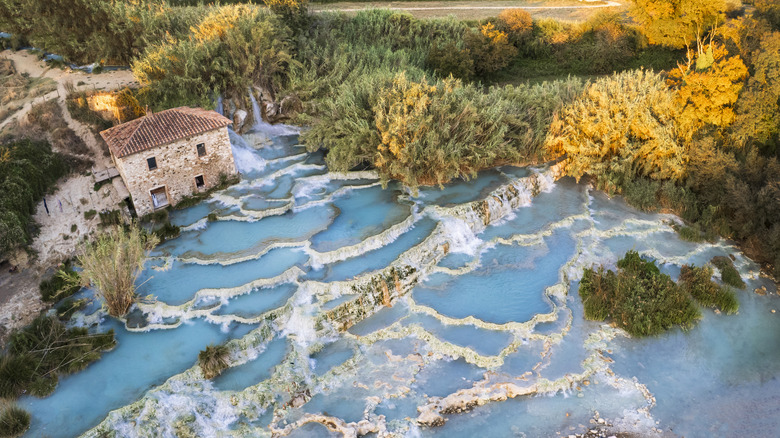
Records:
x=166, y=156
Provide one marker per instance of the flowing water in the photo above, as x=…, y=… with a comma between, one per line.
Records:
x=365, y=309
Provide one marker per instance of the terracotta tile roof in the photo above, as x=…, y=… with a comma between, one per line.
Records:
x=161, y=128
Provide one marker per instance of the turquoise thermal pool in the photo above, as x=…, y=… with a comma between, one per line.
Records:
x=353, y=309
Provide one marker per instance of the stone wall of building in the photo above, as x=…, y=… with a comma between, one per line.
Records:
x=178, y=164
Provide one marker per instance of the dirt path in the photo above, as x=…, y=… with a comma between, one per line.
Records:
x=561, y=9
x=64, y=225
x=30, y=64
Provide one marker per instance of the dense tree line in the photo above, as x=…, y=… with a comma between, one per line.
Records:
x=86, y=31
x=230, y=50
x=432, y=131
x=27, y=171
x=698, y=135
x=705, y=144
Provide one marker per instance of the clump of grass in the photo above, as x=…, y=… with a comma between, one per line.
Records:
x=42, y=351
x=638, y=297
x=697, y=281
x=68, y=307
x=88, y=215
x=113, y=217
x=212, y=217
x=691, y=234
x=728, y=273
x=167, y=231
x=62, y=284
x=14, y=421
x=113, y=262
x=213, y=360
x=641, y=193
x=98, y=185
x=158, y=216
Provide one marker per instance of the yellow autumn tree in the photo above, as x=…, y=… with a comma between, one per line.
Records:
x=677, y=23
x=403, y=120
x=518, y=25
x=622, y=127
x=490, y=49
x=758, y=108
x=432, y=132
x=707, y=89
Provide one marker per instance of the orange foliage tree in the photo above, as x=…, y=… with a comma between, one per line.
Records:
x=518, y=25
x=758, y=109
x=708, y=89
x=622, y=128
x=677, y=23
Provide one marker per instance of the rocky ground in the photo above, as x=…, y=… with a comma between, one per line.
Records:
x=602, y=428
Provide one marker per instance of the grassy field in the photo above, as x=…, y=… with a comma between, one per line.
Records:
x=570, y=10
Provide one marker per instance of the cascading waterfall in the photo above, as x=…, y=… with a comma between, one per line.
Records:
x=246, y=159
x=261, y=125
x=352, y=309
x=218, y=106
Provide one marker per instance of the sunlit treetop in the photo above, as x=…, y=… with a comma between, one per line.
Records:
x=677, y=23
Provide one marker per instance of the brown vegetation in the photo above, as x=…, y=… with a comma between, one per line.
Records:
x=112, y=264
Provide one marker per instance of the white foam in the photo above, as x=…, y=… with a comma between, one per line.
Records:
x=300, y=324
x=460, y=235
x=266, y=128
x=247, y=159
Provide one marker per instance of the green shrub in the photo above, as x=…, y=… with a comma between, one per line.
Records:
x=212, y=217
x=614, y=152
x=28, y=170
x=69, y=306
x=697, y=282
x=159, y=216
x=638, y=298
x=450, y=60
x=490, y=49
x=14, y=421
x=89, y=214
x=545, y=34
x=108, y=218
x=603, y=44
x=458, y=130
x=167, y=232
x=518, y=24
x=213, y=360
x=113, y=30
x=691, y=234
x=641, y=193
x=40, y=352
x=232, y=49
x=728, y=273
x=62, y=284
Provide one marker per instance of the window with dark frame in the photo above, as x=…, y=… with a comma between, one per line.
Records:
x=199, y=183
x=201, y=149
x=152, y=163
